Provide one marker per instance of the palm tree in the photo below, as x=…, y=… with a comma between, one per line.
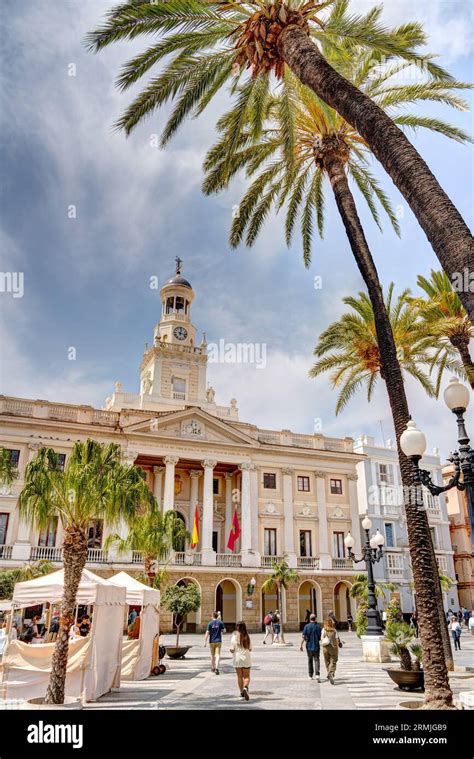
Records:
x=8, y=472
x=360, y=588
x=280, y=578
x=291, y=148
x=349, y=347
x=154, y=535
x=93, y=485
x=444, y=318
x=213, y=42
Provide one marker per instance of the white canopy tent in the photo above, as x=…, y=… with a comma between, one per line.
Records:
x=94, y=661
x=137, y=654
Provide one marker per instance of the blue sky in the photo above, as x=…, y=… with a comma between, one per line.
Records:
x=87, y=278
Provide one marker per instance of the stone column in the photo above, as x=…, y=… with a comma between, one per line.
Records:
x=325, y=560
x=228, y=509
x=168, y=498
x=289, y=532
x=208, y=554
x=195, y=474
x=355, y=518
x=248, y=557
x=158, y=483
x=22, y=546
x=254, y=542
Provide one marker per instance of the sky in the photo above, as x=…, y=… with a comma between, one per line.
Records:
x=88, y=217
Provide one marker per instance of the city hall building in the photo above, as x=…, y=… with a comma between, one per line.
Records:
x=295, y=494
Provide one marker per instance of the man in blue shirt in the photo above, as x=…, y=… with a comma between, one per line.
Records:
x=214, y=632
x=312, y=635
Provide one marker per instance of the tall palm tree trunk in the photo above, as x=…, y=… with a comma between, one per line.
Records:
x=438, y=217
x=425, y=572
x=462, y=346
x=74, y=558
x=280, y=606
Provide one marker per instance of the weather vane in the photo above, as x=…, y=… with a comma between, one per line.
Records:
x=179, y=262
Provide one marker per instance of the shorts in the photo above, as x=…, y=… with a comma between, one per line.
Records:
x=276, y=629
x=215, y=647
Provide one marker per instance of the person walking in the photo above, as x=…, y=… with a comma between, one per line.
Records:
x=414, y=623
x=456, y=633
x=471, y=623
x=214, y=631
x=330, y=644
x=332, y=616
x=268, y=622
x=276, y=627
x=466, y=616
x=350, y=622
x=240, y=648
x=311, y=635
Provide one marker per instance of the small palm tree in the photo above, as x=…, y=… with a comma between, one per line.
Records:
x=94, y=484
x=349, y=347
x=444, y=318
x=154, y=535
x=360, y=588
x=35, y=569
x=280, y=578
x=207, y=44
x=8, y=472
x=400, y=635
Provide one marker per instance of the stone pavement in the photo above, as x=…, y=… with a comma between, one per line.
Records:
x=279, y=680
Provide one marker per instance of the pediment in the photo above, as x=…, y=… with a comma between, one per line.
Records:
x=192, y=424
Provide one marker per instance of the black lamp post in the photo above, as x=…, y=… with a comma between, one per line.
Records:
x=371, y=553
x=413, y=444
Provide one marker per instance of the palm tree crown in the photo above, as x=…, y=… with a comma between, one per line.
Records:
x=290, y=136
x=349, y=348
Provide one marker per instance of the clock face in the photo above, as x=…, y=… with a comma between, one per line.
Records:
x=180, y=333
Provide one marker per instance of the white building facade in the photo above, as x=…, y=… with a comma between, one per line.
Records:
x=379, y=495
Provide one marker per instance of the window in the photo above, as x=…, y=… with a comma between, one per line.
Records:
x=269, y=480
x=179, y=386
x=94, y=534
x=303, y=484
x=305, y=543
x=61, y=461
x=179, y=305
x=434, y=537
x=169, y=305
x=335, y=487
x=270, y=542
x=215, y=486
x=47, y=537
x=385, y=474
x=338, y=545
x=389, y=535
x=215, y=542
x=14, y=457
x=3, y=528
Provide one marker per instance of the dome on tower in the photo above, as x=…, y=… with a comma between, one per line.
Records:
x=178, y=280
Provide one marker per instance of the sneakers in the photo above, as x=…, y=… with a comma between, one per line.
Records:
x=246, y=693
x=310, y=677
x=216, y=671
x=318, y=679
x=331, y=679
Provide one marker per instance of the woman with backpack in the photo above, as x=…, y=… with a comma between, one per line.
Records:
x=240, y=648
x=331, y=644
x=268, y=622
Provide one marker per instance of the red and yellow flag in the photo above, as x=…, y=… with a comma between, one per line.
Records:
x=195, y=532
x=234, y=532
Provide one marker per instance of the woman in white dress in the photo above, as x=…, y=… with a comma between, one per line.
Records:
x=241, y=647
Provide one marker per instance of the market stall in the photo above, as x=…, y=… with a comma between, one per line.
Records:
x=94, y=661
x=137, y=654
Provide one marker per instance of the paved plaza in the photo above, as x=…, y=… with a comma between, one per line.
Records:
x=279, y=680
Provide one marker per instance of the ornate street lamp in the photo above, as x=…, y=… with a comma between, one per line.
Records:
x=371, y=553
x=413, y=445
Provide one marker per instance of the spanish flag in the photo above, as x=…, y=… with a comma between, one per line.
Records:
x=195, y=532
x=234, y=532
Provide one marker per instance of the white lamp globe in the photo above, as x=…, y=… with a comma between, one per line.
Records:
x=253, y=582
x=456, y=394
x=349, y=541
x=413, y=441
x=366, y=523
x=379, y=539
x=373, y=542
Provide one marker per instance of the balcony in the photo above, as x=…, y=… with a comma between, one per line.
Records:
x=45, y=553
x=268, y=561
x=97, y=556
x=342, y=564
x=394, y=565
x=137, y=557
x=442, y=564
x=179, y=396
x=308, y=562
x=228, y=560
x=187, y=559
x=5, y=552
